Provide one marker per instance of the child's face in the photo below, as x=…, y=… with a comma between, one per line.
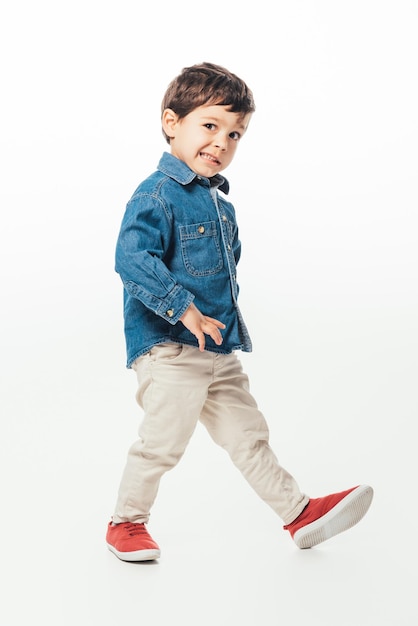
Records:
x=207, y=138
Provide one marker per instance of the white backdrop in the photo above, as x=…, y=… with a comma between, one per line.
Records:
x=325, y=187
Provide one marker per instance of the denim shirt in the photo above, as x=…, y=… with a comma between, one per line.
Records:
x=178, y=244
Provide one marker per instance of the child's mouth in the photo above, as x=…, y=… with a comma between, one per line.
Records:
x=210, y=158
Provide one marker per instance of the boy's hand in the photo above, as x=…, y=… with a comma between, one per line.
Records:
x=201, y=325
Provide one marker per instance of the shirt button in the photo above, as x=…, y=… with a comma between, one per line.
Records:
x=201, y=229
x=229, y=247
x=224, y=218
x=170, y=312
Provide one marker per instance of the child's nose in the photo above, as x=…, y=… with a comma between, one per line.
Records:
x=221, y=142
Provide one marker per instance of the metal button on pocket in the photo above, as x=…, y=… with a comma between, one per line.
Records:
x=201, y=229
x=170, y=312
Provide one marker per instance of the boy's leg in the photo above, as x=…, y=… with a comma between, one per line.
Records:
x=172, y=388
x=233, y=420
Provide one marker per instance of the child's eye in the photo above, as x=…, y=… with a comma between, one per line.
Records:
x=235, y=135
x=210, y=126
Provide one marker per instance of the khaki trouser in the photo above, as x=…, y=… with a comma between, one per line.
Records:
x=179, y=385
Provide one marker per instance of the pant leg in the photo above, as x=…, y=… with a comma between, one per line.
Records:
x=233, y=420
x=172, y=388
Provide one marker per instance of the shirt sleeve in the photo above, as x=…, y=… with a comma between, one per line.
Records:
x=143, y=240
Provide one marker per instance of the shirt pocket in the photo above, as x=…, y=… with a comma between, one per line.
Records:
x=201, y=248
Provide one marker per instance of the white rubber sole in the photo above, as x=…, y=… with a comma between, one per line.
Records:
x=343, y=516
x=139, y=555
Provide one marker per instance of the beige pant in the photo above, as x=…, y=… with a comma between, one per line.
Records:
x=179, y=385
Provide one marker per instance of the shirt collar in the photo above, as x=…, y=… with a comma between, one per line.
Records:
x=181, y=173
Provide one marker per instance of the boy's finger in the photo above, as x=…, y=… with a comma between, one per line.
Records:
x=216, y=322
x=201, y=341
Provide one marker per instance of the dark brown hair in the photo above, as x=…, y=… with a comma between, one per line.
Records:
x=206, y=84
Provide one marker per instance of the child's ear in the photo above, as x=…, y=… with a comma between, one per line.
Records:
x=169, y=120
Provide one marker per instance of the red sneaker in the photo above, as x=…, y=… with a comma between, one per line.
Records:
x=131, y=542
x=322, y=518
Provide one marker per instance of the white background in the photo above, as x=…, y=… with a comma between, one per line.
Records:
x=325, y=187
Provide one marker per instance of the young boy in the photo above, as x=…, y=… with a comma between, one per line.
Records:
x=177, y=256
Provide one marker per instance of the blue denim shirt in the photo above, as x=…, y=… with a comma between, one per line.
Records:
x=178, y=243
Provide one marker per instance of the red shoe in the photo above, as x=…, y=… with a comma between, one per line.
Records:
x=131, y=542
x=322, y=518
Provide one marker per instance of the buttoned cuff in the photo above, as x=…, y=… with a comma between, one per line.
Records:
x=175, y=304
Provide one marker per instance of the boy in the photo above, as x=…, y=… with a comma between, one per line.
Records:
x=176, y=254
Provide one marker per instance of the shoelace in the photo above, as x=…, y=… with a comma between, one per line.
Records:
x=135, y=529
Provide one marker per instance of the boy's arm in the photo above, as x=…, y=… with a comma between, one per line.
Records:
x=142, y=243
